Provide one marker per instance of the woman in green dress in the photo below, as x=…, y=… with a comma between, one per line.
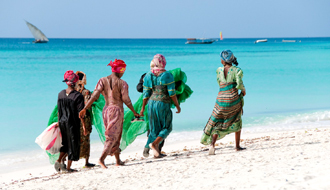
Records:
x=228, y=109
x=158, y=92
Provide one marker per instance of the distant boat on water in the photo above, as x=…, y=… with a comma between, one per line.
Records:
x=200, y=41
x=258, y=41
x=288, y=40
x=221, y=36
x=38, y=35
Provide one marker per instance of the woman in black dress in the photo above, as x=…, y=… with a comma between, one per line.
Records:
x=69, y=103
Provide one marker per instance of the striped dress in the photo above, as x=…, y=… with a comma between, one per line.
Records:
x=227, y=112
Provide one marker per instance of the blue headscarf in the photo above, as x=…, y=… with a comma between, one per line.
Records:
x=227, y=56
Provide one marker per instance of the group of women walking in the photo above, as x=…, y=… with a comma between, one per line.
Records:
x=161, y=90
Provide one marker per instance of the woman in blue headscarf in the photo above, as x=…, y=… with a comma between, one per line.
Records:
x=228, y=109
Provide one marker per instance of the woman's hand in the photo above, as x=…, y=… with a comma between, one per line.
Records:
x=179, y=109
x=85, y=132
x=243, y=92
x=141, y=112
x=136, y=114
x=82, y=113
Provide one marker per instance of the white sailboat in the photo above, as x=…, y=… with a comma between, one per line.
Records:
x=38, y=35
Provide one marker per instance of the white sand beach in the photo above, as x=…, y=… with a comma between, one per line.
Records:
x=278, y=160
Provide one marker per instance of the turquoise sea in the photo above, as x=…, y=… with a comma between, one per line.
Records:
x=287, y=83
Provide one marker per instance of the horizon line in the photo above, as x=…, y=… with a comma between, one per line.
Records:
x=162, y=38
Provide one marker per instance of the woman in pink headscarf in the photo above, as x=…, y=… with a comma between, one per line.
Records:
x=115, y=92
x=158, y=92
x=69, y=104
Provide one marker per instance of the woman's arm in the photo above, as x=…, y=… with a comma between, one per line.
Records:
x=82, y=113
x=93, y=98
x=145, y=101
x=176, y=103
x=239, y=81
x=126, y=99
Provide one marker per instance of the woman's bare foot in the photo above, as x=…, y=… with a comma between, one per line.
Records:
x=239, y=148
x=160, y=156
x=120, y=163
x=212, y=150
x=102, y=164
x=154, y=149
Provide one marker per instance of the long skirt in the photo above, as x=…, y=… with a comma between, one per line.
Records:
x=160, y=120
x=113, y=122
x=85, y=140
x=226, y=115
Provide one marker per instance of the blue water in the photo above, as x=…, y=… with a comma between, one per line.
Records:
x=287, y=83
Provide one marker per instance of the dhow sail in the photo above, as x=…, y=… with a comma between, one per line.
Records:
x=38, y=35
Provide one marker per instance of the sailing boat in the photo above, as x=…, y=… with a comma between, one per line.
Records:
x=38, y=35
x=221, y=36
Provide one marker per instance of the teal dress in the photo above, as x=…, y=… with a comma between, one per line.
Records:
x=159, y=89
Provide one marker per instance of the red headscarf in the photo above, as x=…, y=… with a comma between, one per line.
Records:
x=70, y=78
x=117, y=66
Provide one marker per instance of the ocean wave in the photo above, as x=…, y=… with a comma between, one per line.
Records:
x=288, y=121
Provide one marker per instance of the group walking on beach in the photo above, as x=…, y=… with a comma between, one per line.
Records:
x=78, y=109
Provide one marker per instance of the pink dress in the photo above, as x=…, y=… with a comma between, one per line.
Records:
x=115, y=92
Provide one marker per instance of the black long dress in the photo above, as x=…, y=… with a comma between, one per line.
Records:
x=69, y=107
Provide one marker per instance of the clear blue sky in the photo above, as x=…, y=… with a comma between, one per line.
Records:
x=166, y=19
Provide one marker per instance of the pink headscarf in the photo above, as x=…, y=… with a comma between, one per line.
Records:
x=158, y=64
x=117, y=66
x=70, y=78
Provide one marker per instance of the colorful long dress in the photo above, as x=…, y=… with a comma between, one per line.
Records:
x=85, y=140
x=159, y=89
x=132, y=130
x=115, y=92
x=227, y=112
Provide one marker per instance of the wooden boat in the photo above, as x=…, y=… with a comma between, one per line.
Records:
x=37, y=34
x=199, y=41
x=258, y=41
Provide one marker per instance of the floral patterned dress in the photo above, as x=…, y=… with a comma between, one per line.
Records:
x=85, y=140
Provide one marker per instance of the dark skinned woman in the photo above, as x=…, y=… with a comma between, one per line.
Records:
x=115, y=92
x=228, y=109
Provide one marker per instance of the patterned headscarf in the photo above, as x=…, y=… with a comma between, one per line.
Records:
x=227, y=56
x=70, y=78
x=80, y=85
x=158, y=64
x=117, y=66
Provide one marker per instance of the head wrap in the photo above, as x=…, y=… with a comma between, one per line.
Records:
x=117, y=66
x=158, y=64
x=70, y=78
x=227, y=56
x=80, y=85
